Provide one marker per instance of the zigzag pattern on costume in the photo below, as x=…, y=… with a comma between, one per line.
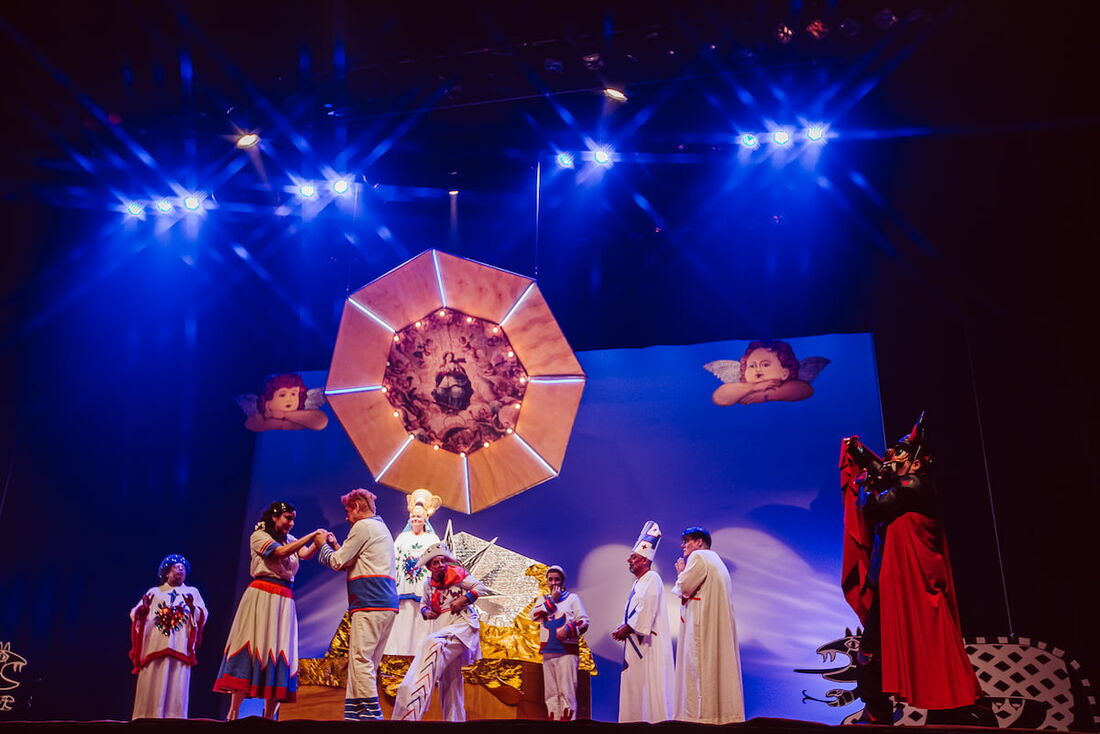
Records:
x=425, y=681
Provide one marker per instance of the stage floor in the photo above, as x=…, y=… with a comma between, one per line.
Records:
x=254, y=724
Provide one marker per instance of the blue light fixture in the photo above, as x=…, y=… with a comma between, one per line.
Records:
x=341, y=186
x=192, y=202
x=781, y=137
x=307, y=191
x=602, y=156
x=815, y=133
x=164, y=206
x=564, y=160
x=135, y=209
x=748, y=140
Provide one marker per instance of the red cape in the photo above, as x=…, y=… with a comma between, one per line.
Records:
x=923, y=659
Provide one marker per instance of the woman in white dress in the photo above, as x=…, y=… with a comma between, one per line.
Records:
x=165, y=629
x=261, y=655
x=410, y=627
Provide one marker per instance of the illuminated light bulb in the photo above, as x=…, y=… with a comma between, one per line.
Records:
x=164, y=206
x=435, y=447
x=134, y=209
x=341, y=186
x=442, y=312
x=815, y=133
x=614, y=94
x=511, y=354
x=564, y=160
x=601, y=157
x=385, y=389
x=396, y=338
x=248, y=140
x=510, y=431
x=781, y=137
x=192, y=202
x=485, y=445
x=419, y=324
x=396, y=414
x=307, y=190
x=522, y=380
x=496, y=329
x=516, y=406
x=748, y=140
x=469, y=319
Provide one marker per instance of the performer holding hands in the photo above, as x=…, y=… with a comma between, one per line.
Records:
x=562, y=620
x=261, y=655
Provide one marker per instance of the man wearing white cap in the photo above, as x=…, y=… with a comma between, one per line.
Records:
x=645, y=687
x=708, y=663
x=449, y=595
x=562, y=620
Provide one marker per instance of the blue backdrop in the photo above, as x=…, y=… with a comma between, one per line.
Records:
x=648, y=444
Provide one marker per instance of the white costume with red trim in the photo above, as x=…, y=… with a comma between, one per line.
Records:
x=163, y=639
x=443, y=654
x=261, y=655
x=368, y=556
x=708, y=664
x=560, y=657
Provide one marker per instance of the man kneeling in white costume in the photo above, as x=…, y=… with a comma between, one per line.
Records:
x=449, y=595
x=708, y=663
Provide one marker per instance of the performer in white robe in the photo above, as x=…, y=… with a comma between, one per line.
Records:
x=410, y=628
x=562, y=620
x=367, y=556
x=166, y=628
x=645, y=686
x=708, y=662
x=448, y=597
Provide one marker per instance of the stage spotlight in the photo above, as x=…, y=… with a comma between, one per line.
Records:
x=307, y=190
x=885, y=19
x=784, y=34
x=135, y=209
x=781, y=137
x=748, y=140
x=602, y=156
x=815, y=133
x=592, y=61
x=248, y=140
x=341, y=186
x=192, y=202
x=164, y=206
x=818, y=29
x=564, y=160
x=452, y=192
x=614, y=94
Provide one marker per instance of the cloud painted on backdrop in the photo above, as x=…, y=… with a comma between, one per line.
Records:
x=785, y=609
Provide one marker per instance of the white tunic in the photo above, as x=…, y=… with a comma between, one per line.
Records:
x=708, y=663
x=409, y=628
x=645, y=687
x=163, y=643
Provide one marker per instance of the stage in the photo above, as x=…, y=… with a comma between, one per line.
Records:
x=760, y=725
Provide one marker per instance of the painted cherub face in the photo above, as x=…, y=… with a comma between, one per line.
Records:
x=763, y=364
x=285, y=398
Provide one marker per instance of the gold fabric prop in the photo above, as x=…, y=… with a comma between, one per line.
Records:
x=503, y=646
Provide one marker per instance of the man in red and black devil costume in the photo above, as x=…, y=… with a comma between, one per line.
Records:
x=896, y=576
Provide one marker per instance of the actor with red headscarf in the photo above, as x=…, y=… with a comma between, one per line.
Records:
x=896, y=576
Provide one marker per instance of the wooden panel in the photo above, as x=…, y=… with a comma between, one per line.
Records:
x=359, y=357
x=479, y=290
x=368, y=419
x=504, y=469
x=438, y=471
x=404, y=294
x=537, y=339
x=546, y=419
